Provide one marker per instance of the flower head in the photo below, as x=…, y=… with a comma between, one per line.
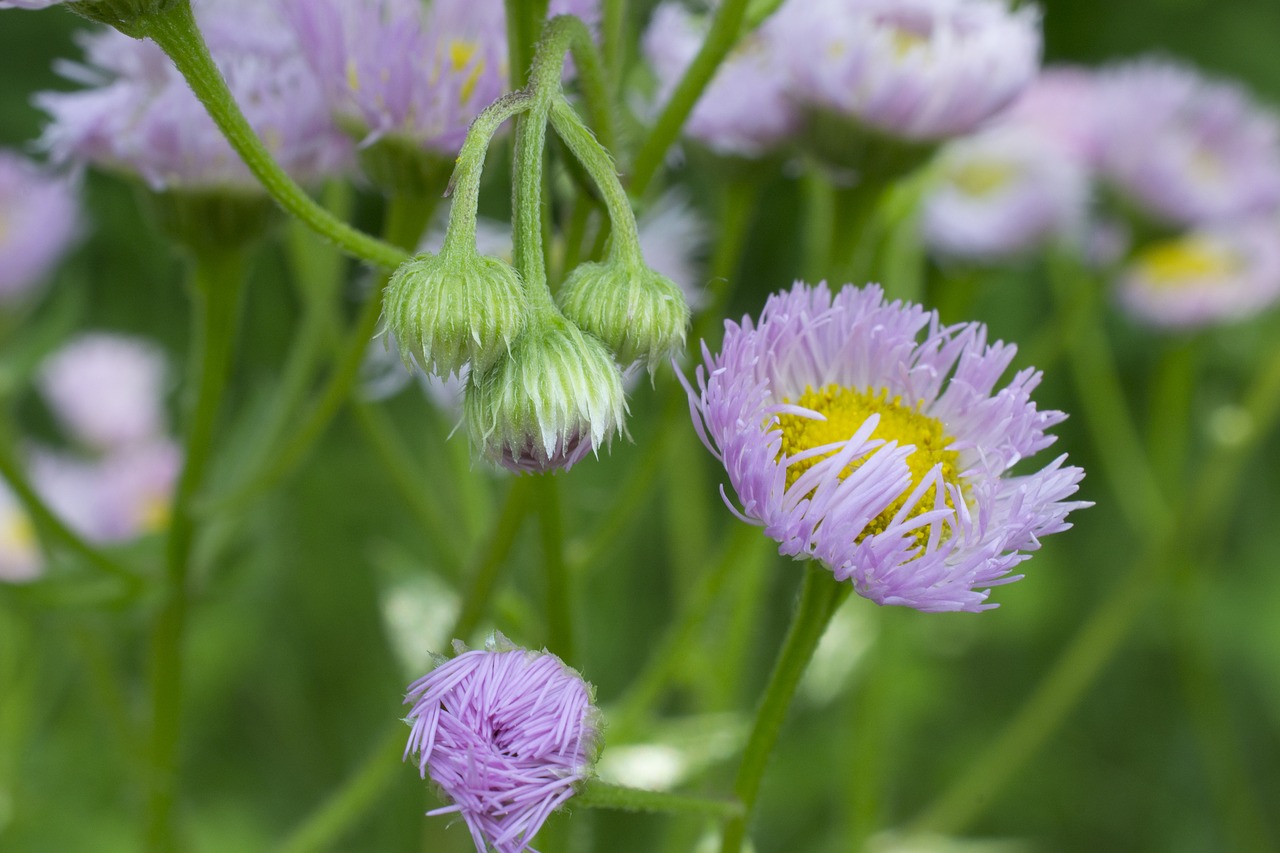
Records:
x=455, y=308
x=554, y=398
x=508, y=734
x=1002, y=192
x=886, y=456
x=1184, y=148
x=107, y=390
x=409, y=69
x=1211, y=275
x=915, y=69
x=746, y=109
x=140, y=116
x=1061, y=106
x=38, y=220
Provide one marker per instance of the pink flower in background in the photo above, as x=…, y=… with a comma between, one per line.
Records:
x=915, y=69
x=1061, y=106
x=107, y=390
x=1218, y=274
x=1003, y=192
x=39, y=218
x=746, y=110
x=508, y=734
x=1184, y=148
x=137, y=115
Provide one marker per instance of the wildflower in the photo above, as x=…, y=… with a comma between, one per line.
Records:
x=455, y=308
x=507, y=734
x=852, y=441
x=1061, y=107
x=746, y=110
x=919, y=70
x=38, y=220
x=1002, y=192
x=139, y=116
x=409, y=70
x=1214, y=274
x=554, y=398
x=1186, y=149
x=107, y=390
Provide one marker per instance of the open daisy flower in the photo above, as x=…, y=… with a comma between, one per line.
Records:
x=852, y=439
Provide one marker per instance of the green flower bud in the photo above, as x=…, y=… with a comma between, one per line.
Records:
x=639, y=313
x=453, y=308
x=556, y=396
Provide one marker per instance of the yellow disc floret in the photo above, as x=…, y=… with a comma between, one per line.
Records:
x=1189, y=260
x=845, y=410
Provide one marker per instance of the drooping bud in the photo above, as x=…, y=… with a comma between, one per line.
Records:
x=456, y=307
x=639, y=313
x=556, y=396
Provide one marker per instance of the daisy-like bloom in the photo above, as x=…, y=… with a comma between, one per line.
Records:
x=107, y=390
x=746, y=110
x=1001, y=193
x=1213, y=275
x=139, y=116
x=914, y=69
x=853, y=439
x=408, y=69
x=19, y=553
x=39, y=216
x=507, y=734
x=1184, y=148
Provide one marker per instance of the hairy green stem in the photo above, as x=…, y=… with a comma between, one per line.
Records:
x=820, y=596
x=603, y=795
x=174, y=30
x=218, y=281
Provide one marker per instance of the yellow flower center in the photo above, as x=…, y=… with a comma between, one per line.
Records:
x=154, y=514
x=17, y=533
x=845, y=410
x=1186, y=261
x=981, y=177
x=905, y=41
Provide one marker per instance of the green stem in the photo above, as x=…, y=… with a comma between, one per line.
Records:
x=352, y=800
x=174, y=29
x=412, y=484
x=524, y=22
x=819, y=598
x=1169, y=421
x=726, y=29
x=603, y=795
x=737, y=210
x=599, y=165
x=855, y=235
x=464, y=186
x=218, y=280
x=47, y=522
x=613, y=25
x=559, y=595
x=484, y=577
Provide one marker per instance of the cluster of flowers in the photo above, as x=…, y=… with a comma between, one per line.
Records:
x=107, y=393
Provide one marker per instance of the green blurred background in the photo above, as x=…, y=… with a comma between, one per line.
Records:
x=295, y=675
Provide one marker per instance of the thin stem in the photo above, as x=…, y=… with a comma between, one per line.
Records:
x=603, y=795
x=524, y=22
x=343, y=808
x=464, y=186
x=738, y=206
x=613, y=22
x=484, y=577
x=854, y=233
x=47, y=522
x=726, y=29
x=174, y=30
x=559, y=595
x=819, y=598
x=599, y=165
x=218, y=281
